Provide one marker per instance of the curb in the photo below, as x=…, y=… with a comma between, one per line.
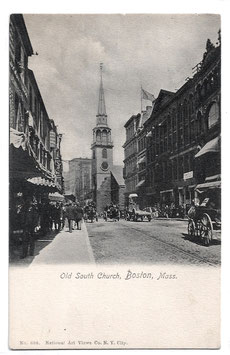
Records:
x=89, y=248
x=171, y=219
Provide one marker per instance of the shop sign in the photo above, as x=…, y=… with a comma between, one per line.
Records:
x=188, y=175
x=52, y=139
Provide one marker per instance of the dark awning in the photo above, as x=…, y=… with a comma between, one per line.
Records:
x=23, y=163
x=212, y=146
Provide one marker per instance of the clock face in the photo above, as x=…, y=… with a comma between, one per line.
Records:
x=104, y=165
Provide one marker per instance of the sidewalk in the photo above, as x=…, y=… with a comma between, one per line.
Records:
x=67, y=248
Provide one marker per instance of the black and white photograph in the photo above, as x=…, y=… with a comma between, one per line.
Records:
x=114, y=180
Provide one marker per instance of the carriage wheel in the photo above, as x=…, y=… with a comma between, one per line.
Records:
x=191, y=228
x=206, y=229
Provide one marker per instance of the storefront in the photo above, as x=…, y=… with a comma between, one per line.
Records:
x=167, y=197
x=28, y=180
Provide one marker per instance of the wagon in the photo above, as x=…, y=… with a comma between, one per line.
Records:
x=206, y=217
x=90, y=214
x=133, y=212
x=113, y=213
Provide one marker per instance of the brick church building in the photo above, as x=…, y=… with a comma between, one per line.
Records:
x=107, y=180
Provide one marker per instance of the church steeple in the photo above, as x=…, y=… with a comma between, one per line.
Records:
x=102, y=132
x=101, y=113
x=102, y=154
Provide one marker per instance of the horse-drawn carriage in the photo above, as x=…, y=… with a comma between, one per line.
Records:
x=134, y=213
x=206, y=217
x=112, y=212
x=90, y=214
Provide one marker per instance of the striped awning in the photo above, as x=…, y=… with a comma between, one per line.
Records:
x=18, y=139
x=140, y=183
x=212, y=146
x=141, y=160
x=41, y=181
x=208, y=185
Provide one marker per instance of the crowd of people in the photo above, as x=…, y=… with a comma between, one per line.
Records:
x=73, y=212
x=30, y=219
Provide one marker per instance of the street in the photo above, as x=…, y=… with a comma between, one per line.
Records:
x=157, y=242
x=161, y=241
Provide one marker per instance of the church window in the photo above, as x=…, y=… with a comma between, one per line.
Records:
x=104, y=136
x=98, y=136
x=213, y=116
x=104, y=153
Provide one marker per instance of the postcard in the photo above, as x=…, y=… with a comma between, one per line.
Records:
x=114, y=181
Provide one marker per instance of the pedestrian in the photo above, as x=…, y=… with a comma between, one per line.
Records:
x=78, y=216
x=70, y=215
x=57, y=216
x=31, y=216
x=45, y=217
x=62, y=216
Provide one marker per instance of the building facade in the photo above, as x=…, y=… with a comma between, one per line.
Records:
x=118, y=186
x=130, y=146
x=135, y=155
x=181, y=125
x=35, y=167
x=78, y=179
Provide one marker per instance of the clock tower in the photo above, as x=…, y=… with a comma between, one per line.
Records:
x=102, y=154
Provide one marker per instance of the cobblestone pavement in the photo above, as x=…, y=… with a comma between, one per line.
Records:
x=155, y=242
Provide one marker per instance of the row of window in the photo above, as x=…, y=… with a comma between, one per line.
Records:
x=131, y=166
x=20, y=105
x=40, y=117
x=130, y=131
x=131, y=183
x=41, y=154
x=102, y=136
x=104, y=154
x=18, y=54
x=141, y=144
x=131, y=148
x=167, y=138
x=170, y=170
x=209, y=84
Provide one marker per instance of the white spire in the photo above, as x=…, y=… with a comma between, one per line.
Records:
x=101, y=104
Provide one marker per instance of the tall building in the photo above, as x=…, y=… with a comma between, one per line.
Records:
x=102, y=154
x=35, y=157
x=175, y=152
x=135, y=154
x=35, y=162
x=183, y=136
x=130, y=154
x=78, y=179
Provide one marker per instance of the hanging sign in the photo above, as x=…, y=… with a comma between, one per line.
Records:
x=52, y=139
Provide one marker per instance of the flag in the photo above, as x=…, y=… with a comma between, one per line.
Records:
x=145, y=95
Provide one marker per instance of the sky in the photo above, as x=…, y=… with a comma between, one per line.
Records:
x=155, y=51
